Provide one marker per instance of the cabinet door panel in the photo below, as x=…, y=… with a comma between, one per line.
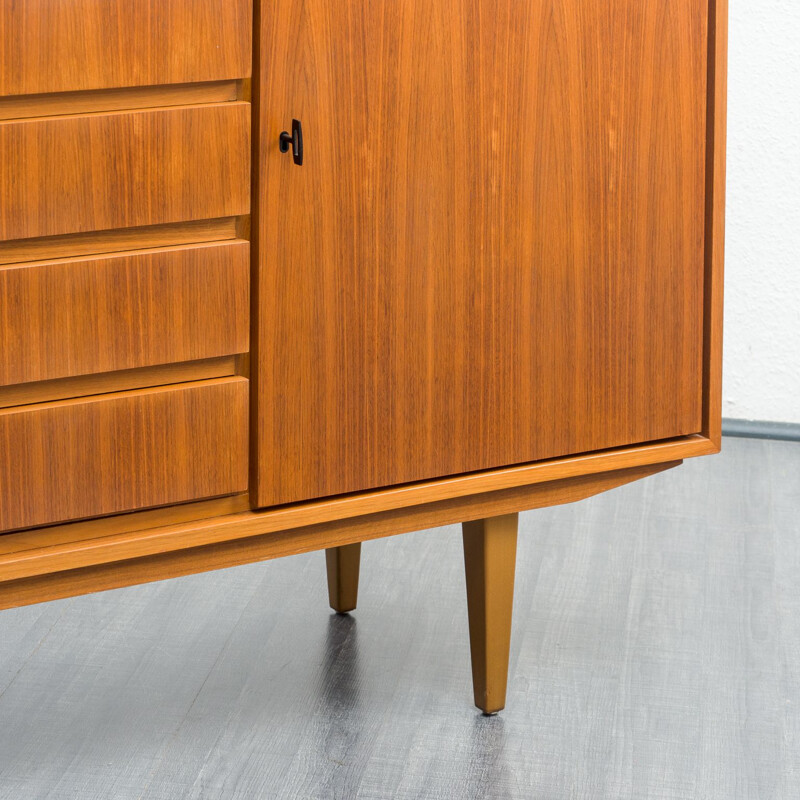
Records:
x=68, y=45
x=494, y=250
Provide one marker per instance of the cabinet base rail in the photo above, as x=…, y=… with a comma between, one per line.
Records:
x=49, y=563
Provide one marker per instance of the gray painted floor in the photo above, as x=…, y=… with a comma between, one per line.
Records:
x=656, y=654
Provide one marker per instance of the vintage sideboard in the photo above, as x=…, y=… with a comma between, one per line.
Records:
x=288, y=276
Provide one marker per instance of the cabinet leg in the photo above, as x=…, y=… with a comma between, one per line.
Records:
x=343, y=564
x=490, y=555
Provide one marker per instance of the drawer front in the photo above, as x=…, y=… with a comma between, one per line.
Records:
x=121, y=452
x=103, y=171
x=67, y=45
x=82, y=316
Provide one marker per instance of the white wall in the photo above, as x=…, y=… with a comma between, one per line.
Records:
x=762, y=292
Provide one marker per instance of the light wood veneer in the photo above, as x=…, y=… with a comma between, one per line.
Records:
x=69, y=45
x=121, y=169
x=494, y=250
x=109, y=313
x=118, y=452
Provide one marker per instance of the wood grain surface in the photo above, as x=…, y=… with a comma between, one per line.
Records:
x=107, y=313
x=557, y=482
x=494, y=251
x=332, y=522
x=102, y=171
x=118, y=452
x=69, y=45
x=48, y=563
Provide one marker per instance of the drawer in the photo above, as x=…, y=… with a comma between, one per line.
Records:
x=69, y=45
x=82, y=316
x=124, y=169
x=120, y=452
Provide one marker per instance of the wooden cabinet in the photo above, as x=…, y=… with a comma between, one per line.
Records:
x=456, y=262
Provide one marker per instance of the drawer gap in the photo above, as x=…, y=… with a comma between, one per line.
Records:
x=120, y=381
x=61, y=103
x=145, y=237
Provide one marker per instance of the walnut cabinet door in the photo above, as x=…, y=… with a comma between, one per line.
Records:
x=492, y=252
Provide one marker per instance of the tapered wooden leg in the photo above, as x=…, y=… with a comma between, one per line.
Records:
x=343, y=563
x=490, y=556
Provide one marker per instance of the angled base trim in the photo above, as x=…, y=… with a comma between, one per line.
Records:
x=73, y=568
